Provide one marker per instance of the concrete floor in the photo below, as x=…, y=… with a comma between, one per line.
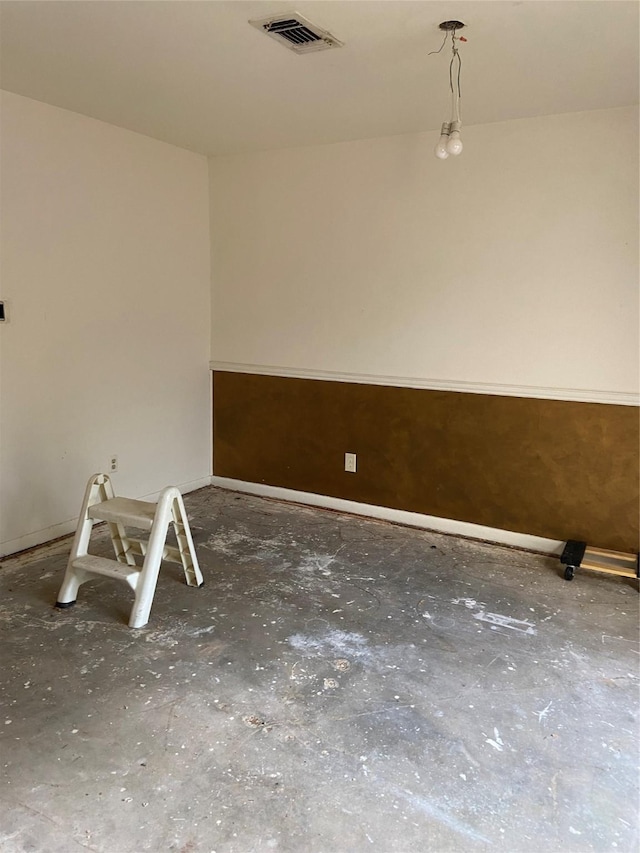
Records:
x=338, y=685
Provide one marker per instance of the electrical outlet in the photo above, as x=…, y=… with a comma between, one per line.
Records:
x=113, y=464
x=350, y=462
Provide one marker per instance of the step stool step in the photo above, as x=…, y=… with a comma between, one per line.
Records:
x=107, y=568
x=125, y=511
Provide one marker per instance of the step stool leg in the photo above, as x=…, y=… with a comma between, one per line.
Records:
x=97, y=490
x=186, y=547
x=148, y=579
x=146, y=588
x=68, y=594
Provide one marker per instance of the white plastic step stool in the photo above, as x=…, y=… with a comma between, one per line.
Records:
x=101, y=504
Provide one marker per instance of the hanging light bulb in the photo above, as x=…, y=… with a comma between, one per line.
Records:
x=450, y=142
x=442, y=145
x=454, y=143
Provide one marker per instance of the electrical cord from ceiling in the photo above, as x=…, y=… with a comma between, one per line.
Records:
x=450, y=142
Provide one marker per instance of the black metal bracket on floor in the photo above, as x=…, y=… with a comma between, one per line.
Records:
x=578, y=555
x=572, y=557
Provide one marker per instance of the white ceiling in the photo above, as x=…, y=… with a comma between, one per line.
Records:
x=197, y=75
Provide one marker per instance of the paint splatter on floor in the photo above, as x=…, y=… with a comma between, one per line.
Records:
x=339, y=684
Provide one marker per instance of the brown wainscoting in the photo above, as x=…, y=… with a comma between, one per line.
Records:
x=556, y=469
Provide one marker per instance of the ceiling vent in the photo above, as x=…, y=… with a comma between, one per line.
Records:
x=296, y=33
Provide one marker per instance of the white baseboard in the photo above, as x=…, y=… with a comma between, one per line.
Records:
x=184, y=488
x=64, y=528
x=398, y=516
x=38, y=537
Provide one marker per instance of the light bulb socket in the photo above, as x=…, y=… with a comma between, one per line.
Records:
x=455, y=126
x=441, y=145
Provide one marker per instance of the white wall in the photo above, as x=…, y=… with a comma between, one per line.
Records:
x=513, y=267
x=105, y=268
